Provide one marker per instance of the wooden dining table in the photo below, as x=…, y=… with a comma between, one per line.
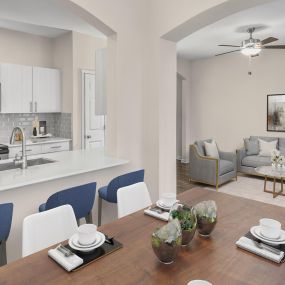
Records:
x=216, y=259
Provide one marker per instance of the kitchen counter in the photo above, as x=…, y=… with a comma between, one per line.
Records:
x=29, y=188
x=67, y=163
x=38, y=141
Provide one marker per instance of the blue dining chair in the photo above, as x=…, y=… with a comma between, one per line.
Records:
x=109, y=192
x=6, y=214
x=81, y=198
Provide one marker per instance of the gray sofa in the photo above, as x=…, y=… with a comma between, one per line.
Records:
x=211, y=170
x=248, y=158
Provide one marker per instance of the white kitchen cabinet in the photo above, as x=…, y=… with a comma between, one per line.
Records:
x=33, y=149
x=30, y=150
x=55, y=147
x=46, y=90
x=16, y=93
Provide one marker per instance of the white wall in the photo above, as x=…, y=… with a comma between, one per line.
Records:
x=226, y=103
x=183, y=68
x=84, y=48
x=142, y=93
x=179, y=117
x=63, y=59
x=26, y=49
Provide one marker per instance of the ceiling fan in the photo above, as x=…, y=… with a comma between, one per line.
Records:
x=252, y=47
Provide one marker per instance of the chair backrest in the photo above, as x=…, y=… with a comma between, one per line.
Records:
x=6, y=214
x=123, y=181
x=201, y=146
x=81, y=198
x=132, y=198
x=44, y=229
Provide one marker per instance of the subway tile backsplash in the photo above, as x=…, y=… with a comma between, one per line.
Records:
x=58, y=124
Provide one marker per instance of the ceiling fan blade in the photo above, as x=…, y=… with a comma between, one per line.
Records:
x=274, y=47
x=227, y=52
x=268, y=40
x=228, y=46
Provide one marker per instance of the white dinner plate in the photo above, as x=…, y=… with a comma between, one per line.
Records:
x=160, y=204
x=72, y=245
x=75, y=240
x=255, y=231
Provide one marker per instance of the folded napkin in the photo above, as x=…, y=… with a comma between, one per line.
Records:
x=249, y=245
x=164, y=216
x=68, y=263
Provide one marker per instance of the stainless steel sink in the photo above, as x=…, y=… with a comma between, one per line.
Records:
x=31, y=162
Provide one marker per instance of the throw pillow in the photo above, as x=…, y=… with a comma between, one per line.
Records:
x=266, y=148
x=251, y=147
x=211, y=149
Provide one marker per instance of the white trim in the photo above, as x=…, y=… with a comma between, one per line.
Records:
x=83, y=72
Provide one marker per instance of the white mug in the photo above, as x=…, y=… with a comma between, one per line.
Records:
x=87, y=234
x=168, y=199
x=270, y=228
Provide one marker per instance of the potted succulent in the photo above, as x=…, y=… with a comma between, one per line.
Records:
x=166, y=242
x=187, y=218
x=206, y=212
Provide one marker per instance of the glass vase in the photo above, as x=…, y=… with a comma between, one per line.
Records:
x=206, y=213
x=186, y=216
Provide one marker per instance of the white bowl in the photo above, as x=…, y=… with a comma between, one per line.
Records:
x=168, y=199
x=270, y=228
x=87, y=234
x=199, y=282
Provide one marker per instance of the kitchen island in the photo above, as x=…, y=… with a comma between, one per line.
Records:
x=28, y=188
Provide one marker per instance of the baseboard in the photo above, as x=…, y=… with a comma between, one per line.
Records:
x=184, y=160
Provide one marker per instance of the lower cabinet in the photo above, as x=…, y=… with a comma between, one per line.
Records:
x=40, y=148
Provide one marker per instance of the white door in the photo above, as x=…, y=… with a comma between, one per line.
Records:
x=46, y=90
x=94, y=126
x=15, y=88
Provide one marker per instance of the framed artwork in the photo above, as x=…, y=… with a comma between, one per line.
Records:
x=276, y=113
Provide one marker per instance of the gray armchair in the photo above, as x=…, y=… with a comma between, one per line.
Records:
x=209, y=170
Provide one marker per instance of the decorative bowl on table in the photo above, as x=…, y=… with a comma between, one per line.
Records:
x=166, y=242
x=206, y=213
x=186, y=216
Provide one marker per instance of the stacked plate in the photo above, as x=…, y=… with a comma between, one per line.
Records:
x=75, y=244
x=256, y=232
x=161, y=205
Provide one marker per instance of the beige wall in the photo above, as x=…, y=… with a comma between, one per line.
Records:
x=84, y=48
x=63, y=59
x=142, y=93
x=26, y=49
x=226, y=103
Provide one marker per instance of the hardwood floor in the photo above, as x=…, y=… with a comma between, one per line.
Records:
x=182, y=173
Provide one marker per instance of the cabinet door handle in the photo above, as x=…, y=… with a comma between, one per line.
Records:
x=36, y=107
x=31, y=106
x=58, y=146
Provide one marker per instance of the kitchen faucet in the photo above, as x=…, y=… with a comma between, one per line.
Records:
x=23, y=160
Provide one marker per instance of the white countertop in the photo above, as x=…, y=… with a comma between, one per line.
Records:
x=67, y=163
x=38, y=141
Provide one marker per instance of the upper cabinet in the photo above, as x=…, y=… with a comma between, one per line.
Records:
x=16, y=90
x=27, y=89
x=46, y=89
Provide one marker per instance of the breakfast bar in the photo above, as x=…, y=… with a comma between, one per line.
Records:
x=29, y=188
x=135, y=262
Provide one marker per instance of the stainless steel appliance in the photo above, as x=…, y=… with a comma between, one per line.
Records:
x=4, y=151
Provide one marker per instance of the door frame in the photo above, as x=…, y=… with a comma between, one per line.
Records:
x=83, y=73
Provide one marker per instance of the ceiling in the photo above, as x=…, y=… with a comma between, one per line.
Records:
x=268, y=18
x=42, y=17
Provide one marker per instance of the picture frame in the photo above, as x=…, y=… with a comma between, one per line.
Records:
x=276, y=113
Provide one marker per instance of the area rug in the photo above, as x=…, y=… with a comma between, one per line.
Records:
x=251, y=188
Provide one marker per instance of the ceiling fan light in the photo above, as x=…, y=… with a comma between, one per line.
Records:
x=251, y=51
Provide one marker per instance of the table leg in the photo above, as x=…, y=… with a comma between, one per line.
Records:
x=273, y=192
x=274, y=184
x=265, y=180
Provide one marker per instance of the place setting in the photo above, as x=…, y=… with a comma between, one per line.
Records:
x=162, y=207
x=266, y=239
x=84, y=247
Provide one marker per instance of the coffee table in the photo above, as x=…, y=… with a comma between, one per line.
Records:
x=274, y=174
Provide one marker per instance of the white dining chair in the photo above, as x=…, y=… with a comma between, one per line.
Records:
x=132, y=198
x=44, y=229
